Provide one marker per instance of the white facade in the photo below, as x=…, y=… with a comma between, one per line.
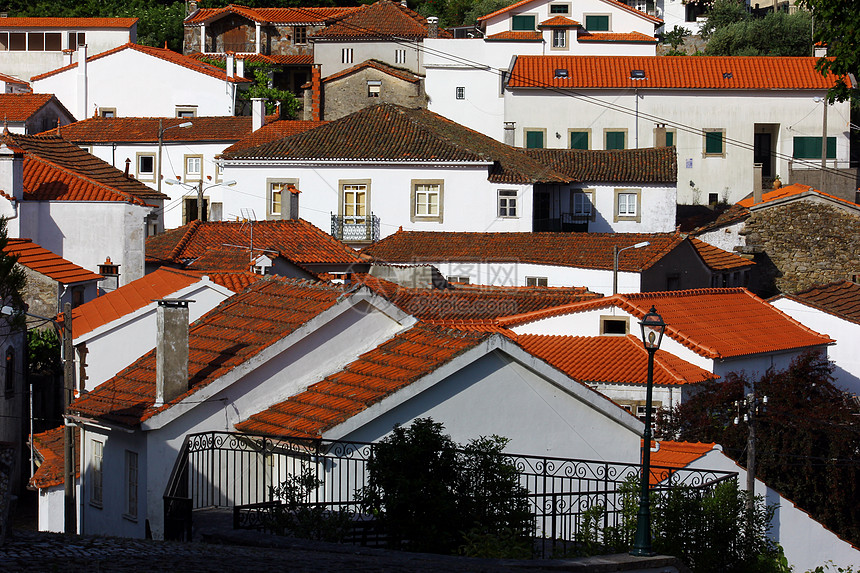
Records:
x=726, y=238
x=844, y=353
x=335, y=56
x=133, y=83
x=620, y=20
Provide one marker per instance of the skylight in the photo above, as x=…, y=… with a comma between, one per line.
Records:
x=560, y=73
x=637, y=75
x=727, y=75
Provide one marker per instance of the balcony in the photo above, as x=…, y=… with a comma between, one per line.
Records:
x=354, y=229
x=565, y=223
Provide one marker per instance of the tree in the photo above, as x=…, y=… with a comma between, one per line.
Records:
x=722, y=13
x=808, y=439
x=836, y=27
x=777, y=34
x=12, y=283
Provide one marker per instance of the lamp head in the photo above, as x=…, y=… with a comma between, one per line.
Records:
x=652, y=326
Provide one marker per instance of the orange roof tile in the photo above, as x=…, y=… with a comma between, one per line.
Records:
x=621, y=5
x=840, y=298
x=677, y=455
x=47, y=263
x=713, y=72
x=20, y=107
x=559, y=22
x=510, y=36
x=145, y=129
x=161, y=53
x=77, y=23
x=13, y=80
x=644, y=165
x=714, y=322
x=718, y=259
x=377, y=374
x=271, y=132
x=610, y=359
x=295, y=15
x=282, y=59
x=229, y=335
x=296, y=240
x=383, y=19
x=795, y=189
x=400, y=73
x=49, y=447
x=628, y=38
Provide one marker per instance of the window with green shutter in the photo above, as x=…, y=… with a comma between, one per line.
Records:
x=714, y=143
x=810, y=147
x=670, y=138
x=579, y=140
x=522, y=23
x=534, y=140
x=597, y=23
x=615, y=139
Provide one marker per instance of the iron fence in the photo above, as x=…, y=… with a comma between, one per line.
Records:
x=569, y=498
x=355, y=229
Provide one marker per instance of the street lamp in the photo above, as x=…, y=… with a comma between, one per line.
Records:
x=652, y=334
x=161, y=130
x=200, y=190
x=615, y=252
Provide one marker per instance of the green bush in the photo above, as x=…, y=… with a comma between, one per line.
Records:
x=299, y=518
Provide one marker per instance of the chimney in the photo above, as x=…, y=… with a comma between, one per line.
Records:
x=12, y=172
x=82, y=82
x=660, y=135
x=258, y=113
x=240, y=67
x=68, y=57
x=110, y=272
x=404, y=4
x=432, y=27
x=190, y=7
x=510, y=126
x=171, y=351
x=127, y=166
x=230, y=64
x=757, y=186
x=293, y=207
x=316, y=93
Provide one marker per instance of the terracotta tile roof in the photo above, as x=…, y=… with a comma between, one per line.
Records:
x=715, y=323
x=645, y=165
x=383, y=19
x=377, y=374
x=47, y=263
x=509, y=36
x=611, y=359
x=730, y=216
x=505, y=9
x=296, y=240
x=145, y=129
x=678, y=455
x=389, y=132
x=621, y=5
x=559, y=22
x=793, y=190
x=161, y=53
x=281, y=59
x=13, y=80
x=627, y=38
x=39, y=22
x=400, y=73
x=470, y=305
x=137, y=294
x=228, y=336
x=57, y=170
x=270, y=132
x=841, y=298
x=717, y=259
x=303, y=15
x=20, y=107
x=713, y=72
x=49, y=447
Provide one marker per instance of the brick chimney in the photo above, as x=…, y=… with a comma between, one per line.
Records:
x=82, y=82
x=432, y=27
x=171, y=351
x=316, y=93
x=258, y=113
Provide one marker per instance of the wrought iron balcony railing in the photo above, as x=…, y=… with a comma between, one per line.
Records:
x=355, y=229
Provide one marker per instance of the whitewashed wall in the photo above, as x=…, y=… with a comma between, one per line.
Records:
x=620, y=20
x=726, y=238
x=330, y=57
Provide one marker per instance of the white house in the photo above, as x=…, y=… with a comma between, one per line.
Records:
x=12, y=85
x=30, y=46
x=833, y=309
x=119, y=83
x=30, y=113
x=665, y=262
x=259, y=360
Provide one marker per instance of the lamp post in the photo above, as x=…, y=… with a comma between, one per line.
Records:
x=652, y=334
x=199, y=187
x=615, y=252
x=161, y=130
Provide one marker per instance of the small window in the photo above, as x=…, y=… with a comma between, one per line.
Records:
x=597, y=22
x=616, y=140
x=346, y=55
x=559, y=38
x=637, y=75
x=300, y=35
x=713, y=198
x=534, y=138
x=4, y=41
x=186, y=111
x=714, y=142
x=523, y=23
x=626, y=204
x=810, y=147
x=131, y=472
x=579, y=140
x=507, y=203
x=559, y=8
x=582, y=204
x=193, y=167
x=673, y=281
x=96, y=473
x=460, y=92
x=189, y=209
x=536, y=281
x=373, y=88
x=670, y=138
x=458, y=279
x=614, y=325
x=399, y=56
x=427, y=199
x=146, y=166
x=107, y=112
x=10, y=372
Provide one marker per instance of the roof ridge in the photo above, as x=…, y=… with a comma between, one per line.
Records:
x=186, y=237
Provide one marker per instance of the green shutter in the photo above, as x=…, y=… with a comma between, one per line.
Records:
x=579, y=140
x=810, y=147
x=670, y=138
x=534, y=140
x=522, y=23
x=615, y=140
x=714, y=142
x=597, y=23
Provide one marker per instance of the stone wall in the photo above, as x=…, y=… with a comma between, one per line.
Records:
x=348, y=94
x=40, y=294
x=804, y=243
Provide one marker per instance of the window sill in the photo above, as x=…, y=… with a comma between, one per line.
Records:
x=132, y=518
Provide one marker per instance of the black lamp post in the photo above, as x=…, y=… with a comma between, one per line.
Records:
x=652, y=334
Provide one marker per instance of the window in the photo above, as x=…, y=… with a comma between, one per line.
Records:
x=579, y=139
x=614, y=325
x=18, y=41
x=186, y=111
x=354, y=207
x=460, y=279
x=77, y=39
x=300, y=35
x=714, y=141
x=810, y=147
x=581, y=204
x=507, y=203
x=97, y=449
x=10, y=372
x=536, y=281
x=399, y=56
x=146, y=166
x=460, y=92
x=627, y=205
x=559, y=8
x=131, y=484
x=597, y=22
x=44, y=41
x=713, y=198
x=77, y=296
x=559, y=38
x=346, y=55
x=615, y=139
x=523, y=23
x=534, y=138
x=427, y=200
x=276, y=191
x=219, y=171
x=193, y=167
x=373, y=88
x=107, y=112
x=189, y=209
x=670, y=137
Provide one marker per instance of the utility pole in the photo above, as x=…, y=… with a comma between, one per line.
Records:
x=823, y=145
x=70, y=518
x=749, y=407
x=200, y=216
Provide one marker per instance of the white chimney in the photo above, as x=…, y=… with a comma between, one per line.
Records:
x=510, y=127
x=171, y=351
x=68, y=57
x=82, y=82
x=230, y=64
x=258, y=113
x=240, y=67
x=757, y=184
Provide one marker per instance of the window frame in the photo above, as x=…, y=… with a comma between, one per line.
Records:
x=707, y=136
x=530, y=130
x=613, y=318
x=270, y=195
x=610, y=130
x=400, y=55
x=506, y=199
x=608, y=17
x=107, y=112
x=347, y=55
x=96, y=473
x=537, y=281
x=532, y=15
x=132, y=482
x=371, y=84
x=637, y=216
x=300, y=35
x=589, y=193
x=460, y=92
x=815, y=141
x=190, y=176
x=565, y=5
x=341, y=184
x=185, y=111
x=554, y=44
x=440, y=201
x=139, y=173
x=587, y=133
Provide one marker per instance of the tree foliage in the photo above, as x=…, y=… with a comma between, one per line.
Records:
x=808, y=438
x=777, y=34
x=836, y=27
x=12, y=283
x=722, y=13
